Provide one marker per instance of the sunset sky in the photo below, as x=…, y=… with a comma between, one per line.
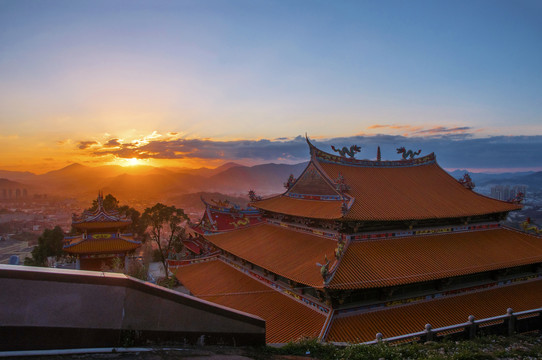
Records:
x=198, y=83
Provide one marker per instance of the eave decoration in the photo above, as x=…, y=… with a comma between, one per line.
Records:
x=466, y=181
x=344, y=207
x=324, y=268
x=406, y=155
x=347, y=151
x=528, y=226
x=221, y=203
x=518, y=199
x=290, y=182
x=340, y=184
x=253, y=197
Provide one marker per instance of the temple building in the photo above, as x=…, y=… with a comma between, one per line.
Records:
x=100, y=238
x=355, y=247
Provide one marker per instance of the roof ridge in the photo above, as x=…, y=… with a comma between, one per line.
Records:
x=320, y=155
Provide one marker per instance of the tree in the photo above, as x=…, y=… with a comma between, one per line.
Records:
x=49, y=244
x=111, y=203
x=137, y=226
x=164, y=223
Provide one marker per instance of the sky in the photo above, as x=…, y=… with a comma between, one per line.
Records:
x=203, y=82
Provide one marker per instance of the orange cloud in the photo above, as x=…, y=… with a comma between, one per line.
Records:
x=83, y=145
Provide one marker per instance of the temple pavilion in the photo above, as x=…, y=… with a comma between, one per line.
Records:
x=355, y=247
x=101, y=237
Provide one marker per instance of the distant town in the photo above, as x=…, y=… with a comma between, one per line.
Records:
x=24, y=213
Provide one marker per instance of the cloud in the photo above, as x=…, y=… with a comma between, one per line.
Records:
x=437, y=131
x=454, y=146
x=83, y=145
x=394, y=127
x=112, y=143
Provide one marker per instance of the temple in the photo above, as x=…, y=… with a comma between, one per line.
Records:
x=358, y=247
x=100, y=238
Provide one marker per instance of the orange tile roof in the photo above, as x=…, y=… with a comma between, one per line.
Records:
x=97, y=246
x=316, y=209
x=414, y=192
x=288, y=253
x=384, y=191
x=286, y=319
x=438, y=312
x=397, y=261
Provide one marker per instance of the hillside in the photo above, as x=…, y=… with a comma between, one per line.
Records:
x=264, y=179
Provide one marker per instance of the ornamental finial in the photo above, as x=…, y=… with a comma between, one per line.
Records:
x=253, y=197
x=324, y=268
x=340, y=183
x=347, y=151
x=290, y=182
x=466, y=181
x=407, y=154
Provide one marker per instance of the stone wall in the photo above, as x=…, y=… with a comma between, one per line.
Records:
x=43, y=308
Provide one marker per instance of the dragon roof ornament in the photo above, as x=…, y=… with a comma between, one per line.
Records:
x=347, y=151
x=407, y=154
x=322, y=156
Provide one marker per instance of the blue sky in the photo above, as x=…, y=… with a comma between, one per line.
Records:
x=226, y=71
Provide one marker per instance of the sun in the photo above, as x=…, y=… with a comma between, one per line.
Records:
x=132, y=162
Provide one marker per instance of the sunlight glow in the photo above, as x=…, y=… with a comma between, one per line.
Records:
x=132, y=162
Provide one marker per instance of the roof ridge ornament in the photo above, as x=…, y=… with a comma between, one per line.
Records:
x=466, y=181
x=340, y=183
x=253, y=197
x=518, y=199
x=347, y=151
x=290, y=182
x=406, y=155
x=527, y=226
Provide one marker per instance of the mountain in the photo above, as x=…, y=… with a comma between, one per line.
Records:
x=150, y=183
x=192, y=202
x=532, y=179
x=13, y=189
x=206, y=172
x=263, y=179
x=16, y=175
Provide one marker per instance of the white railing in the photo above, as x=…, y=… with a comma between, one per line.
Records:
x=503, y=324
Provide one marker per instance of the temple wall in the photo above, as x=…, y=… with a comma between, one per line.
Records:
x=53, y=309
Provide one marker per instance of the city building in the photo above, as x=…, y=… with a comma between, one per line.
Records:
x=354, y=247
x=100, y=239
x=507, y=192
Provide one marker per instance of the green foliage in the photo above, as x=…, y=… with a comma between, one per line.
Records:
x=49, y=244
x=312, y=347
x=169, y=282
x=156, y=255
x=137, y=226
x=138, y=270
x=488, y=347
x=111, y=203
x=165, y=229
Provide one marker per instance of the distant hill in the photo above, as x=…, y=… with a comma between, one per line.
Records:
x=152, y=185
x=16, y=175
x=192, y=202
x=206, y=172
x=8, y=184
x=264, y=179
x=532, y=179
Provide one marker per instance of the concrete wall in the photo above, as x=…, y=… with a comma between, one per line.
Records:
x=52, y=308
